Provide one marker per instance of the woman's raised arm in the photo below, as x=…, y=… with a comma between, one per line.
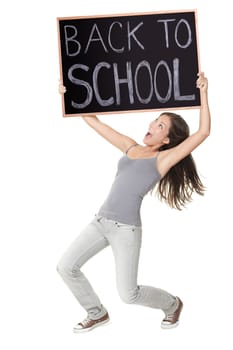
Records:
x=117, y=139
x=172, y=156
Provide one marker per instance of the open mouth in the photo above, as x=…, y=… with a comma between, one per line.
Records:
x=148, y=134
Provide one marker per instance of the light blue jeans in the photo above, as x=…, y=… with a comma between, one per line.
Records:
x=125, y=241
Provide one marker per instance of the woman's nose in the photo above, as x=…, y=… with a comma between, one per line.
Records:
x=152, y=124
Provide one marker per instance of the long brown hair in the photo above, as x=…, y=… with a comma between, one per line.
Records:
x=177, y=186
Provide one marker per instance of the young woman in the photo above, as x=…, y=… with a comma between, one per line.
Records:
x=163, y=161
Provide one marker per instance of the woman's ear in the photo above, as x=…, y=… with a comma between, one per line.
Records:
x=166, y=141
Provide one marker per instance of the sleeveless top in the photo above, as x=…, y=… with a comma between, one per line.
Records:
x=133, y=180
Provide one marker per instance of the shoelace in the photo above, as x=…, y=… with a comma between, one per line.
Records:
x=86, y=322
x=169, y=317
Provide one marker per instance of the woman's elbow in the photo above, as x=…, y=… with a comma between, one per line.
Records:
x=205, y=134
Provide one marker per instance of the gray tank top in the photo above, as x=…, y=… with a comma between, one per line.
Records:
x=134, y=179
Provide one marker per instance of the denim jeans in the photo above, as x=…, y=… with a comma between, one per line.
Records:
x=125, y=241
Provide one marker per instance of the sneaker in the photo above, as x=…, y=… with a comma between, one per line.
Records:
x=88, y=324
x=172, y=320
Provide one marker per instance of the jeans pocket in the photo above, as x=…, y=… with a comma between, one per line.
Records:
x=131, y=235
x=127, y=227
x=98, y=218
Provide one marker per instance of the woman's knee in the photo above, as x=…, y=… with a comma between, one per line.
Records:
x=129, y=296
x=61, y=268
x=65, y=270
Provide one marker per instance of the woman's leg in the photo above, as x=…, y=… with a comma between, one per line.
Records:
x=125, y=241
x=90, y=241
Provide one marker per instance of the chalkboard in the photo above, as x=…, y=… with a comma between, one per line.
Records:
x=130, y=62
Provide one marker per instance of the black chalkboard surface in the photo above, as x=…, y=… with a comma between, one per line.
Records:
x=129, y=62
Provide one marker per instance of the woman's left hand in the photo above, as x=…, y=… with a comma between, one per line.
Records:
x=202, y=82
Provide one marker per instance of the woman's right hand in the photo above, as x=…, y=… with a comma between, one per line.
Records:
x=61, y=88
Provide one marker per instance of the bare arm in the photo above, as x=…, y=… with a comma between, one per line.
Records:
x=172, y=156
x=117, y=139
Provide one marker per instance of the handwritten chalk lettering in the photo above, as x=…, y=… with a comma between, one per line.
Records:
x=131, y=33
x=99, y=38
x=143, y=64
x=82, y=83
x=132, y=82
x=101, y=101
x=71, y=39
x=74, y=47
x=176, y=79
x=182, y=22
x=129, y=62
x=118, y=50
x=128, y=80
x=169, y=75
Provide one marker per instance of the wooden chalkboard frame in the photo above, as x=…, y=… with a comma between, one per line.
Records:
x=123, y=16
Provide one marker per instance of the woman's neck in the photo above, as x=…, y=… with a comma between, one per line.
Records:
x=143, y=152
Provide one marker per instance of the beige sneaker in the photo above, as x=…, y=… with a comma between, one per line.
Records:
x=88, y=324
x=172, y=320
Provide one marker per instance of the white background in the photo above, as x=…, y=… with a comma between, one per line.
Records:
x=55, y=173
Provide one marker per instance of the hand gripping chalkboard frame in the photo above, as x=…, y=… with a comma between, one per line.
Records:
x=129, y=62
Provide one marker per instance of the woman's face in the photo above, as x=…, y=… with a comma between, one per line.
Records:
x=158, y=131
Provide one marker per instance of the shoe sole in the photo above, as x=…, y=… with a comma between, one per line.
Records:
x=167, y=326
x=84, y=330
